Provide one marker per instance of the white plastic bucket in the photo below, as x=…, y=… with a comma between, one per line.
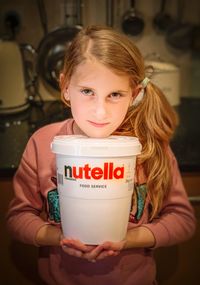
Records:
x=95, y=184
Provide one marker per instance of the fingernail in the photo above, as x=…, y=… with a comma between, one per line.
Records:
x=79, y=254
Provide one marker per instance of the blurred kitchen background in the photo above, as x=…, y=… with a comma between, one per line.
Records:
x=33, y=37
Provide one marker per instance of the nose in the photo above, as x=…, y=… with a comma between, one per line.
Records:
x=100, y=109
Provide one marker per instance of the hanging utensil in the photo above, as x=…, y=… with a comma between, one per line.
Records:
x=179, y=35
x=196, y=34
x=162, y=21
x=132, y=21
x=109, y=12
x=43, y=16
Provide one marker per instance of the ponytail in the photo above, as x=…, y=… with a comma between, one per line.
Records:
x=153, y=121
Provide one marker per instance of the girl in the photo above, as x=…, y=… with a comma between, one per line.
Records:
x=104, y=82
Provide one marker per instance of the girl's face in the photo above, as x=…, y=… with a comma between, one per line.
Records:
x=99, y=99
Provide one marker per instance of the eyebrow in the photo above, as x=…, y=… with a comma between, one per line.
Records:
x=121, y=91
x=115, y=91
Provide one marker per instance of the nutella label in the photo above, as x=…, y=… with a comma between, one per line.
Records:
x=107, y=172
x=95, y=177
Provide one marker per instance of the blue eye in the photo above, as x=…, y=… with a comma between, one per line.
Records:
x=87, y=92
x=115, y=95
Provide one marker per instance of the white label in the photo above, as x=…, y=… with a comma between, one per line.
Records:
x=91, y=178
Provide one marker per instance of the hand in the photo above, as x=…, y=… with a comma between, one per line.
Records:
x=75, y=247
x=111, y=249
x=91, y=252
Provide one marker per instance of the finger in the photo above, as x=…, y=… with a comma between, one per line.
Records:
x=107, y=253
x=91, y=247
x=76, y=244
x=72, y=251
x=92, y=255
x=104, y=254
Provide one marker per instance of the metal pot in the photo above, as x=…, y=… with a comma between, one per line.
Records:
x=162, y=20
x=51, y=52
x=166, y=76
x=132, y=21
x=179, y=34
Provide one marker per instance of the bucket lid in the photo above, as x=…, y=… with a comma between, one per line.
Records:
x=101, y=147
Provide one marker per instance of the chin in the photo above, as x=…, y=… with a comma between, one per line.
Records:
x=97, y=135
x=100, y=137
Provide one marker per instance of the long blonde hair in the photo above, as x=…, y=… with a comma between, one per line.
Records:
x=153, y=120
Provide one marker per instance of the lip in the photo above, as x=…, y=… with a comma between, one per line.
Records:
x=98, y=125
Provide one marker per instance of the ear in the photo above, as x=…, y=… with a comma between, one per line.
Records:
x=61, y=78
x=63, y=87
x=66, y=95
x=62, y=81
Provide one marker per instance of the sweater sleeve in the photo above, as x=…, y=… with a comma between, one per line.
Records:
x=23, y=216
x=176, y=222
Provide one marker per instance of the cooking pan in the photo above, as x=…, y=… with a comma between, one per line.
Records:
x=132, y=21
x=52, y=47
x=162, y=20
x=51, y=53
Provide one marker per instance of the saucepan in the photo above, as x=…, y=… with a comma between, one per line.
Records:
x=132, y=21
x=180, y=34
x=162, y=20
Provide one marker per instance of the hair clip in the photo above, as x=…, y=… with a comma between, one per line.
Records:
x=139, y=98
x=140, y=95
x=144, y=82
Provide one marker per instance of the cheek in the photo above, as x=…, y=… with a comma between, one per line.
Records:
x=76, y=106
x=121, y=111
x=79, y=113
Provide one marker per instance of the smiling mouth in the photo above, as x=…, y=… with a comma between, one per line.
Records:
x=98, y=125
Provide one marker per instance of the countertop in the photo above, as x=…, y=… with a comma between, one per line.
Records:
x=15, y=131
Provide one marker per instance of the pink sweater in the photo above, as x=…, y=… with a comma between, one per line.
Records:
x=33, y=182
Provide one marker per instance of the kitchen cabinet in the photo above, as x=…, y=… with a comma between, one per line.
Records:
x=19, y=262
x=180, y=264
x=176, y=265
